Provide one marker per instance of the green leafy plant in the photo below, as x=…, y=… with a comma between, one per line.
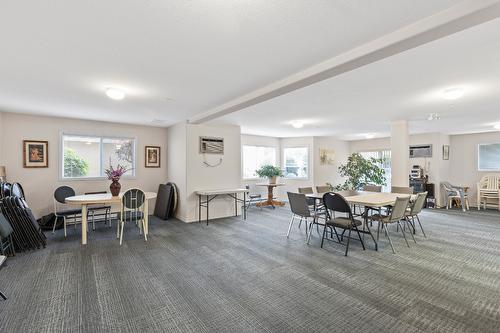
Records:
x=269, y=171
x=360, y=171
x=74, y=165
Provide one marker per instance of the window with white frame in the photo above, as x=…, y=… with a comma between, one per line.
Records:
x=488, y=157
x=296, y=162
x=385, y=156
x=256, y=156
x=86, y=156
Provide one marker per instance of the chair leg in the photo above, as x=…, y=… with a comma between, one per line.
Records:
x=378, y=230
x=121, y=232
x=323, y=238
x=290, y=226
x=65, y=226
x=407, y=221
x=93, y=220
x=404, y=235
x=348, y=241
x=54, y=226
x=360, y=238
x=118, y=229
x=310, y=232
x=388, y=237
x=420, y=224
x=143, y=227
x=3, y=296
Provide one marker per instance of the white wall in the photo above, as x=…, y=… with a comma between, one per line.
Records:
x=40, y=183
x=464, y=160
x=177, y=165
x=329, y=173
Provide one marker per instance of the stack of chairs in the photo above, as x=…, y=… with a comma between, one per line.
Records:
x=27, y=234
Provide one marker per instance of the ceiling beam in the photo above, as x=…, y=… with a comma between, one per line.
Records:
x=454, y=19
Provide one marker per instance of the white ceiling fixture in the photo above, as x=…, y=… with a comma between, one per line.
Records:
x=370, y=136
x=115, y=93
x=453, y=93
x=297, y=124
x=433, y=116
x=497, y=126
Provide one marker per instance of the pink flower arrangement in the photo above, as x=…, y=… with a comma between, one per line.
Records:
x=115, y=174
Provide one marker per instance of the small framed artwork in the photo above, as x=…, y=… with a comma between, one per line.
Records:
x=326, y=156
x=152, y=157
x=446, y=152
x=35, y=154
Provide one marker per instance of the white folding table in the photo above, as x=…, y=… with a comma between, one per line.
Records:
x=209, y=195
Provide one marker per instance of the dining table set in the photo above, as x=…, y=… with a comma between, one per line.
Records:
x=366, y=201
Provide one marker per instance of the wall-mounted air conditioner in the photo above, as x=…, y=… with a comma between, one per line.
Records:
x=420, y=151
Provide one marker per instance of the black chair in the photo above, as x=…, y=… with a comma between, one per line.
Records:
x=5, y=189
x=6, y=231
x=99, y=210
x=60, y=195
x=335, y=203
x=300, y=208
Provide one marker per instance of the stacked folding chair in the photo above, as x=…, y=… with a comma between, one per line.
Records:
x=27, y=234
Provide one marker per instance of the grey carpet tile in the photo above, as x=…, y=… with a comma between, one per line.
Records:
x=246, y=276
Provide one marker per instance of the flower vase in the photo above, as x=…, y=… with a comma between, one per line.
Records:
x=115, y=188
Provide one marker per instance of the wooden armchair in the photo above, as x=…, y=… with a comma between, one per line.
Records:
x=488, y=191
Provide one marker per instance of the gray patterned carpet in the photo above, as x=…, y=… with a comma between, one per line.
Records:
x=236, y=276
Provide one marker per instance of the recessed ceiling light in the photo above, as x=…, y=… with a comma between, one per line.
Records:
x=433, y=116
x=369, y=136
x=453, y=93
x=115, y=94
x=497, y=126
x=297, y=124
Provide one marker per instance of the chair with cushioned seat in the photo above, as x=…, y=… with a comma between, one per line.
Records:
x=415, y=209
x=323, y=188
x=336, y=203
x=396, y=215
x=300, y=208
x=60, y=195
x=6, y=231
x=132, y=210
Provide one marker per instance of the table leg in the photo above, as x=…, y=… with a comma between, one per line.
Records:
x=207, y=208
x=236, y=204
x=245, y=206
x=199, y=208
x=84, y=224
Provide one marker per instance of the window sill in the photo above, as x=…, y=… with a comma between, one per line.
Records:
x=93, y=179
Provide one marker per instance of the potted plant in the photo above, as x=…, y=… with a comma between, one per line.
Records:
x=360, y=171
x=269, y=171
x=114, y=175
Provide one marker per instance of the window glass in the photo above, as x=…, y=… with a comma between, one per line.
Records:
x=88, y=156
x=296, y=162
x=254, y=157
x=489, y=157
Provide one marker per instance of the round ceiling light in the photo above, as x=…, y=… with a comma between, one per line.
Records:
x=370, y=136
x=297, y=124
x=497, y=126
x=453, y=93
x=115, y=94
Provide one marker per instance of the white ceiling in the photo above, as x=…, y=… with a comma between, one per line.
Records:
x=406, y=86
x=178, y=58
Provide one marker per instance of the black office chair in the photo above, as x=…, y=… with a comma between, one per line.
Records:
x=60, y=195
x=335, y=203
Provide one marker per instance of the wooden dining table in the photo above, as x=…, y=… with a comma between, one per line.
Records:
x=270, y=195
x=368, y=200
x=107, y=199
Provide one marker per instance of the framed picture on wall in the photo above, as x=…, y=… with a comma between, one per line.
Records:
x=152, y=157
x=35, y=154
x=446, y=152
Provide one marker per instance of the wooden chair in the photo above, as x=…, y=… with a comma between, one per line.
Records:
x=488, y=191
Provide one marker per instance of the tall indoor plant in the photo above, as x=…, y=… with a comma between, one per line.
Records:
x=269, y=171
x=360, y=171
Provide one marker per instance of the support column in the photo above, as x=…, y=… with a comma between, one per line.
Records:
x=400, y=154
